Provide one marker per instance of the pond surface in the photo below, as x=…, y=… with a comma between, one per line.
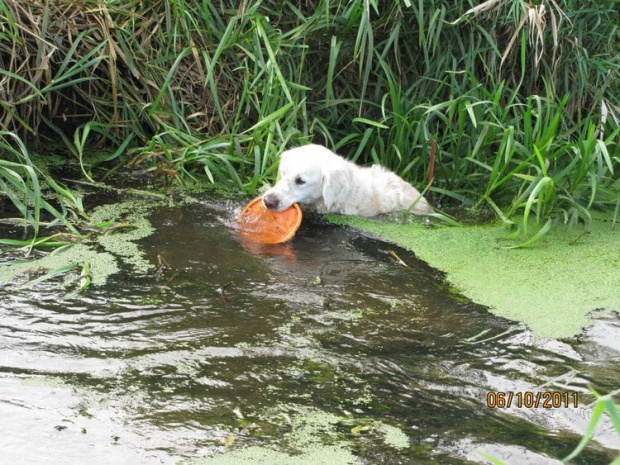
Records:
x=325, y=350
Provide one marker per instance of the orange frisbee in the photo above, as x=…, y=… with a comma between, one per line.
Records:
x=259, y=224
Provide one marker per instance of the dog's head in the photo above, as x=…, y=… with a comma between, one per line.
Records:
x=301, y=178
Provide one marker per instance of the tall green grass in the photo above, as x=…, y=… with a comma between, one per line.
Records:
x=521, y=99
x=22, y=182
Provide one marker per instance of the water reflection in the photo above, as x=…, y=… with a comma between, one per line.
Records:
x=233, y=343
x=285, y=251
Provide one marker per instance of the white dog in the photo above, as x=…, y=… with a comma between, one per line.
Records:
x=318, y=178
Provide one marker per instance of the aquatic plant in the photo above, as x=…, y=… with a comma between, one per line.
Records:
x=55, y=221
x=21, y=181
x=520, y=100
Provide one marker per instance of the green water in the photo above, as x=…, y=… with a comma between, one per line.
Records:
x=324, y=350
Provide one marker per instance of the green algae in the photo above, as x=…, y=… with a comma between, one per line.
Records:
x=102, y=252
x=393, y=436
x=552, y=286
x=314, y=437
x=122, y=243
x=304, y=443
x=102, y=264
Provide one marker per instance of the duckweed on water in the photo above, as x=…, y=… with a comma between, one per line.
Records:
x=122, y=243
x=552, y=286
x=313, y=438
x=393, y=436
x=102, y=264
x=118, y=246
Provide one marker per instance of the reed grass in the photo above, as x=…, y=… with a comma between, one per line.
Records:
x=52, y=215
x=520, y=99
x=21, y=181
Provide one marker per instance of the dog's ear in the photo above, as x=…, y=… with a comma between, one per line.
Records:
x=336, y=184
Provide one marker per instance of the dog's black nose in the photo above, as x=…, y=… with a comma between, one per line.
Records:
x=271, y=201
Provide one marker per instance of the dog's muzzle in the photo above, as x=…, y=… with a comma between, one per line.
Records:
x=271, y=201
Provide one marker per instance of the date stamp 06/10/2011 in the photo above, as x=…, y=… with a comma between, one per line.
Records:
x=532, y=399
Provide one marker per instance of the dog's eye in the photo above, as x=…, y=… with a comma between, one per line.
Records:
x=299, y=181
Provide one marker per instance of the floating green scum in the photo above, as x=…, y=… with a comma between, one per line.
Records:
x=551, y=286
x=100, y=253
